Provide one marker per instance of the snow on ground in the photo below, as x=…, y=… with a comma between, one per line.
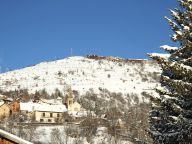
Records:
x=48, y=134
x=83, y=74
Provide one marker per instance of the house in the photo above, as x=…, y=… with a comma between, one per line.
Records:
x=4, y=110
x=15, y=106
x=46, y=113
x=42, y=112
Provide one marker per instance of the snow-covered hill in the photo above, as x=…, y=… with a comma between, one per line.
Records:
x=83, y=73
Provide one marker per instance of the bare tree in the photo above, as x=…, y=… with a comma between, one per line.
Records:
x=56, y=136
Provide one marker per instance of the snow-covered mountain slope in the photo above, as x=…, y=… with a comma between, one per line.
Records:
x=83, y=74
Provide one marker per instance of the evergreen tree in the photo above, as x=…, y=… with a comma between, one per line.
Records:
x=171, y=115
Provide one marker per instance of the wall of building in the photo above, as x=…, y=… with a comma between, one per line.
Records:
x=15, y=106
x=4, y=110
x=47, y=117
x=76, y=107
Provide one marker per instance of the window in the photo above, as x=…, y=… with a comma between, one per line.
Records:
x=41, y=120
x=51, y=115
x=49, y=120
x=57, y=115
x=43, y=114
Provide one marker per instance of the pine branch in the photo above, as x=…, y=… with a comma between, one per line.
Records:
x=169, y=49
x=184, y=52
x=177, y=85
x=178, y=71
x=187, y=61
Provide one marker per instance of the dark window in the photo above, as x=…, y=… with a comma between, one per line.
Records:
x=49, y=120
x=51, y=115
x=57, y=115
x=41, y=120
x=43, y=114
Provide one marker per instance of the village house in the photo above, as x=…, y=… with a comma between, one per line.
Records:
x=49, y=113
x=43, y=113
x=27, y=109
x=4, y=110
x=15, y=106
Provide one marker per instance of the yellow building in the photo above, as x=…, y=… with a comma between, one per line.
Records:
x=5, y=110
x=44, y=113
x=72, y=106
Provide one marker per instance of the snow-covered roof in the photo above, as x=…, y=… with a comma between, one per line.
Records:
x=27, y=106
x=42, y=107
x=51, y=108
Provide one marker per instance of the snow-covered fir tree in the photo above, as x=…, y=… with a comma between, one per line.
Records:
x=171, y=114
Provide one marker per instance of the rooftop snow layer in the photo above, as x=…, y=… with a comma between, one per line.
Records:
x=30, y=107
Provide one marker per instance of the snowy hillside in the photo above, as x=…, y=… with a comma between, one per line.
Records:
x=83, y=74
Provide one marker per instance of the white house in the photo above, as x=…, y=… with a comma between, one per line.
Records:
x=42, y=112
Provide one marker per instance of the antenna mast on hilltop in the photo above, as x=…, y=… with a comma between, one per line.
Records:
x=71, y=51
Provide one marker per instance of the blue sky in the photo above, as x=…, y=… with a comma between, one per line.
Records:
x=32, y=31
